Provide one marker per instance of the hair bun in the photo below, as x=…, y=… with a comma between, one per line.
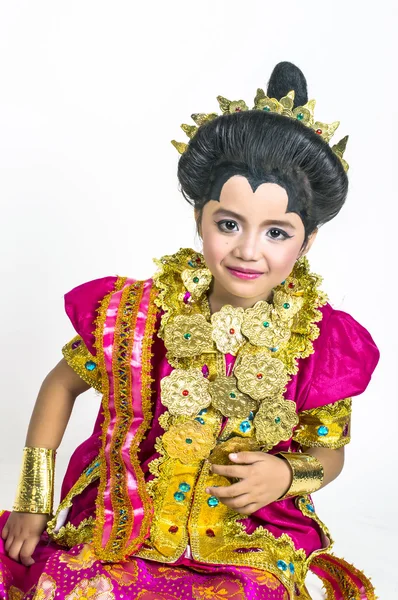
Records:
x=284, y=78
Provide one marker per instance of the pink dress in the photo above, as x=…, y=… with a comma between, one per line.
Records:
x=100, y=546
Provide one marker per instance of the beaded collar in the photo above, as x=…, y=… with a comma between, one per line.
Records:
x=267, y=341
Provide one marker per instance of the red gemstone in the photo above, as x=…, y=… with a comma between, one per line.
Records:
x=237, y=109
x=198, y=259
x=173, y=529
x=232, y=331
x=259, y=375
x=319, y=131
x=291, y=285
x=210, y=533
x=185, y=392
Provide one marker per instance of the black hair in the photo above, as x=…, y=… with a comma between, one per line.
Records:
x=267, y=147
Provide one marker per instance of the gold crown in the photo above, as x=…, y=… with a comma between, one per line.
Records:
x=284, y=106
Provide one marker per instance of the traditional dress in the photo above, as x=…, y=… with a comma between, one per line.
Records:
x=180, y=390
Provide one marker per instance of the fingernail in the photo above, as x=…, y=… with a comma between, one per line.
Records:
x=233, y=456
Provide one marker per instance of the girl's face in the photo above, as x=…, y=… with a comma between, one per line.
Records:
x=250, y=243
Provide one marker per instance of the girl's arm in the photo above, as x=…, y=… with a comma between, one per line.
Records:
x=47, y=425
x=332, y=462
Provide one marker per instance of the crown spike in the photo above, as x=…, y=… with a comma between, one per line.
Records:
x=201, y=118
x=180, y=146
x=190, y=130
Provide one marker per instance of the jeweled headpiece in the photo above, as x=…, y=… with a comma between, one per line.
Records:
x=284, y=106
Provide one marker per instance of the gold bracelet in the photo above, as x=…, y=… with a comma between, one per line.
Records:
x=307, y=473
x=35, y=492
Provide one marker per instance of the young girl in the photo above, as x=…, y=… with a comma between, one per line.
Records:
x=227, y=381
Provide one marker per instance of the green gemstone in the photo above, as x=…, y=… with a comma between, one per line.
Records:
x=277, y=420
x=300, y=116
x=232, y=395
x=188, y=441
x=286, y=305
x=267, y=108
x=266, y=324
x=196, y=279
x=187, y=336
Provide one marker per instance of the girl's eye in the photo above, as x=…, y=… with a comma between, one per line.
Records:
x=227, y=226
x=278, y=234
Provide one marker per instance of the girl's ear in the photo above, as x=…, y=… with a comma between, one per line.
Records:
x=310, y=241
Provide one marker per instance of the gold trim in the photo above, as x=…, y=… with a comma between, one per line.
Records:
x=69, y=535
x=325, y=427
x=82, y=362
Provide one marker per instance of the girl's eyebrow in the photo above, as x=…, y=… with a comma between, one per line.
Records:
x=232, y=214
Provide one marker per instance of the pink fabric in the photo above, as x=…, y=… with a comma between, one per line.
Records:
x=138, y=415
x=74, y=574
x=108, y=344
x=81, y=304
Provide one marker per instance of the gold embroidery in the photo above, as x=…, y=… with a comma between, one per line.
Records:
x=326, y=426
x=230, y=401
x=260, y=376
x=185, y=392
x=188, y=336
x=263, y=327
x=68, y=535
x=146, y=394
x=82, y=362
x=274, y=421
x=217, y=537
x=99, y=331
x=190, y=442
x=227, y=323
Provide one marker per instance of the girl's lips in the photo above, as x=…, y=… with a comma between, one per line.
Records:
x=244, y=274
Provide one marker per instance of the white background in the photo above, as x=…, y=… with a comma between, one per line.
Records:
x=91, y=93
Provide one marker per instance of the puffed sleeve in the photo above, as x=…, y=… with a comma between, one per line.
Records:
x=345, y=358
x=81, y=305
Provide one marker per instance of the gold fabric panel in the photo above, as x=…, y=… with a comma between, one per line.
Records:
x=327, y=426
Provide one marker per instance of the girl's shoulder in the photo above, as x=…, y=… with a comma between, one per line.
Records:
x=344, y=359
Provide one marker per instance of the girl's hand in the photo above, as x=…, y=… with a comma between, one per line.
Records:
x=21, y=535
x=263, y=479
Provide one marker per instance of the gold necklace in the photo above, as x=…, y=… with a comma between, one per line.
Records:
x=266, y=340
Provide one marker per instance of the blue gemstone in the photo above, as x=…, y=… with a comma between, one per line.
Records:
x=191, y=263
x=283, y=282
x=274, y=349
x=184, y=487
x=245, y=426
x=281, y=565
x=203, y=411
x=90, y=365
x=200, y=420
x=323, y=430
x=89, y=471
x=251, y=416
x=291, y=567
x=179, y=496
x=213, y=501
x=310, y=508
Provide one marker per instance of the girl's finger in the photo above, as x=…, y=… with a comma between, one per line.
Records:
x=27, y=549
x=15, y=548
x=8, y=542
x=238, y=502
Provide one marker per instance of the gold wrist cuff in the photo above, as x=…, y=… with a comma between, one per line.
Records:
x=35, y=490
x=307, y=473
